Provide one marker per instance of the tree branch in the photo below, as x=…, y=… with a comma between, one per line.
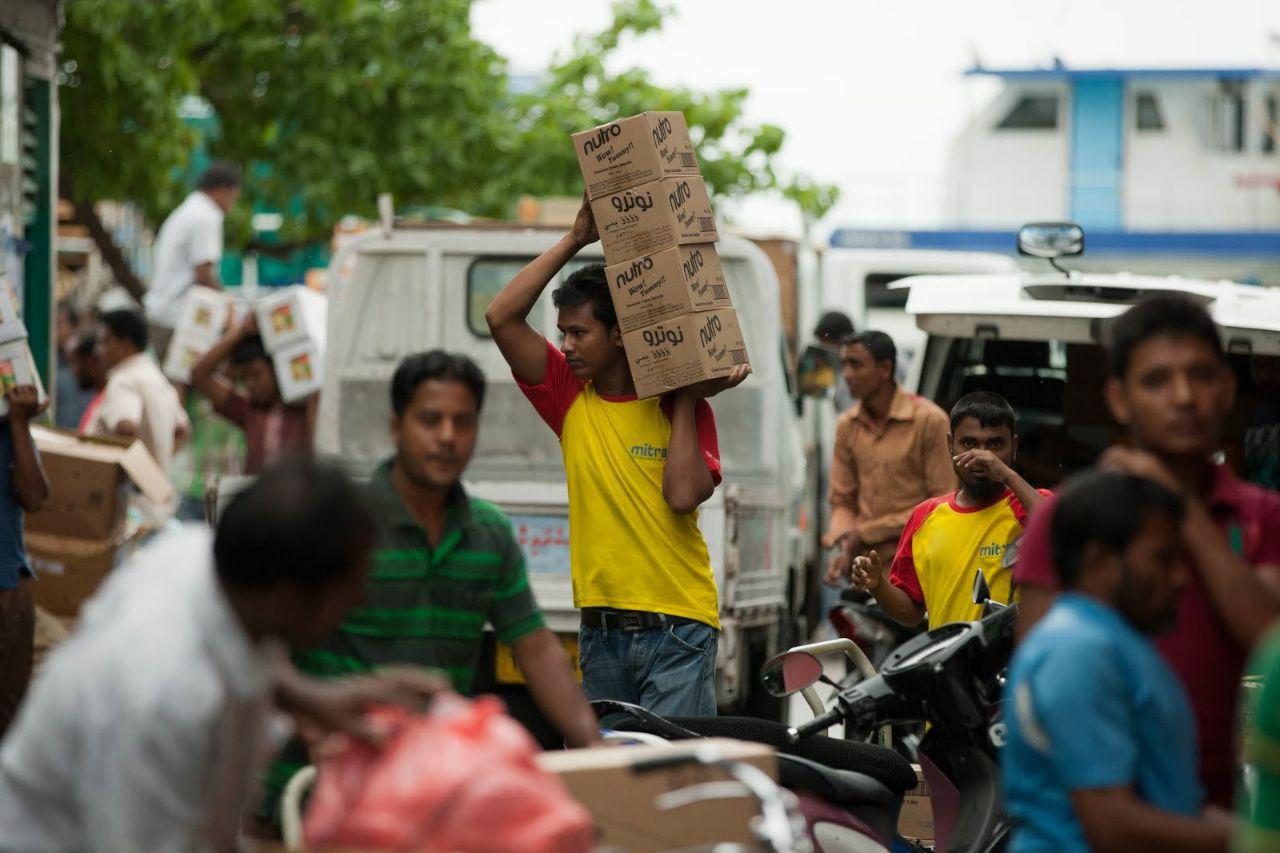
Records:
x=87, y=216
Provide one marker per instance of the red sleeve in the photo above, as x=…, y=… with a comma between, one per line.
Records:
x=708, y=439
x=903, y=572
x=1034, y=566
x=236, y=408
x=553, y=396
x=1020, y=511
x=1267, y=552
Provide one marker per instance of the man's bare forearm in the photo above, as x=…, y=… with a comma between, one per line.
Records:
x=686, y=480
x=551, y=680
x=1247, y=605
x=1023, y=491
x=898, y=604
x=508, y=315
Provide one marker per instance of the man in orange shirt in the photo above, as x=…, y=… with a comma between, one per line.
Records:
x=637, y=471
x=955, y=546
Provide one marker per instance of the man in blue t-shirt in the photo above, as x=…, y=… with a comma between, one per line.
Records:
x=22, y=487
x=1102, y=743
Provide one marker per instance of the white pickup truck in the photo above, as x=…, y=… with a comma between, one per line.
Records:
x=408, y=289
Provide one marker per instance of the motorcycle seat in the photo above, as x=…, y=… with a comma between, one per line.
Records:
x=841, y=787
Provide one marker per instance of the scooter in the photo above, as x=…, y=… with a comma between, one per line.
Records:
x=950, y=677
x=849, y=793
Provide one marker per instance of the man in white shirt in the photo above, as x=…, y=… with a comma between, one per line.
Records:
x=188, y=249
x=138, y=401
x=147, y=727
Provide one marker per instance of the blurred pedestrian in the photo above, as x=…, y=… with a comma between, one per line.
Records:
x=71, y=400
x=146, y=727
x=1171, y=386
x=1259, y=798
x=1101, y=750
x=137, y=401
x=188, y=249
x=832, y=330
x=890, y=454
x=23, y=489
x=272, y=428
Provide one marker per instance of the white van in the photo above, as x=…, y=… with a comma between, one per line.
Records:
x=414, y=289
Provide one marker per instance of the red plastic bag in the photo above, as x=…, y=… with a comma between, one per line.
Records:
x=463, y=777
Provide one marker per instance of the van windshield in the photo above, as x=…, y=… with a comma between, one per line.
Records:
x=1063, y=421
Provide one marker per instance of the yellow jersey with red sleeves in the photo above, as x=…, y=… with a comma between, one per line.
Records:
x=627, y=549
x=948, y=551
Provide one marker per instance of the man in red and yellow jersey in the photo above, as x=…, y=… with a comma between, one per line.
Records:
x=637, y=471
x=954, y=552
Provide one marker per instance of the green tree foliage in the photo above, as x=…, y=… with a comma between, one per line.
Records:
x=334, y=101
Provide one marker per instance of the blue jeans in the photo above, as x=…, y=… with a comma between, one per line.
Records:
x=670, y=670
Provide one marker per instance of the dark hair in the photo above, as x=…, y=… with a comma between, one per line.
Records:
x=1105, y=507
x=219, y=175
x=301, y=522
x=833, y=326
x=588, y=284
x=987, y=408
x=880, y=345
x=1155, y=316
x=437, y=364
x=127, y=325
x=249, y=350
x=84, y=345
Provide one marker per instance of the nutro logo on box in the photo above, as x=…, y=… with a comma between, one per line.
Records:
x=709, y=330
x=662, y=131
x=601, y=138
x=623, y=204
x=693, y=263
x=658, y=336
x=637, y=267
x=682, y=194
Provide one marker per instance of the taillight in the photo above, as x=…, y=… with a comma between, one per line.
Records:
x=843, y=623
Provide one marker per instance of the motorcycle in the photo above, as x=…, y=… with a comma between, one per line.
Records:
x=951, y=678
x=848, y=793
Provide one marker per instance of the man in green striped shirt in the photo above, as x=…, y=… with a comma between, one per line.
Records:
x=445, y=564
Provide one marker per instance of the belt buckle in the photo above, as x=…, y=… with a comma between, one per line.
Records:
x=631, y=621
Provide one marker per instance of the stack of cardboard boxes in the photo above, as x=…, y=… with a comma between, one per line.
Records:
x=17, y=366
x=659, y=232
x=292, y=323
x=203, y=321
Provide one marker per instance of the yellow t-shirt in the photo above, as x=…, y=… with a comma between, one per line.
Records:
x=945, y=549
x=627, y=548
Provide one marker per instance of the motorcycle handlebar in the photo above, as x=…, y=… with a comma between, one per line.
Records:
x=818, y=724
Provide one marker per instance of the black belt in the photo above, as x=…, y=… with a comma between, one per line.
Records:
x=601, y=619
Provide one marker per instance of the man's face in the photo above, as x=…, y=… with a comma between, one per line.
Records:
x=436, y=435
x=969, y=434
x=1175, y=396
x=111, y=349
x=259, y=381
x=588, y=345
x=863, y=374
x=1153, y=571
x=316, y=613
x=225, y=197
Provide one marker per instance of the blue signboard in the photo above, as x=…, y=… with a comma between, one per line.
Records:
x=544, y=539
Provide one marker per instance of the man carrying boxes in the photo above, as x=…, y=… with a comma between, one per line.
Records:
x=638, y=437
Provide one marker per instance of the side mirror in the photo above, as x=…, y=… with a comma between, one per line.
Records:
x=790, y=672
x=817, y=371
x=1051, y=240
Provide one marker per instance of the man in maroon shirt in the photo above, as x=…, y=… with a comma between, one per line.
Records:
x=272, y=428
x=1171, y=387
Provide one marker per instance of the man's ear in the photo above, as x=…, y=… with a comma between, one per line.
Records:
x=1013, y=446
x=951, y=444
x=1113, y=391
x=615, y=335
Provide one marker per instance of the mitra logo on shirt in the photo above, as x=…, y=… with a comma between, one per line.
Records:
x=992, y=550
x=648, y=451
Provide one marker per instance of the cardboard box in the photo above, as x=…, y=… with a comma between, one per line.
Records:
x=203, y=318
x=622, y=801
x=68, y=570
x=915, y=821
x=685, y=350
x=292, y=315
x=634, y=151
x=653, y=217
x=88, y=482
x=299, y=370
x=667, y=284
x=183, y=353
x=11, y=326
x=17, y=367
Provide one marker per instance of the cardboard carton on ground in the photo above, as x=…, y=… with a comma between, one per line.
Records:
x=915, y=821
x=299, y=370
x=11, y=326
x=292, y=315
x=667, y=284
x=67, y=570
x=203, y=318
x=183, y=354
x=634, y=151
x=88, y=480
x=17, y=367
x=622, y=801
x=654, y=216
x=684, y=350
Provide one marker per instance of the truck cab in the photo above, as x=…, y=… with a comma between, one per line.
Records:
x=408, y=289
